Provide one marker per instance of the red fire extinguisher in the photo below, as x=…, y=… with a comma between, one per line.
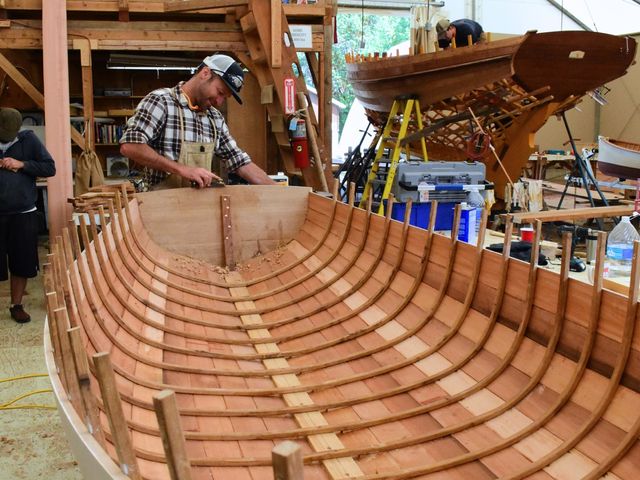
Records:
x=299, y=143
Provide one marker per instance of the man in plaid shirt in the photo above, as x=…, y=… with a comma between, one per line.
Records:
x=168, y=122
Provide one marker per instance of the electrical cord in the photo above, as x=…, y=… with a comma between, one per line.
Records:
x=10, y=404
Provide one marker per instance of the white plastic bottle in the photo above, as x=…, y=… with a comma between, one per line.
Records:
x=476, y=200
x=620, y=248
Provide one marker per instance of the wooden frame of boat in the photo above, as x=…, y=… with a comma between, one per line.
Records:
x=512, y=85
x=381, y=349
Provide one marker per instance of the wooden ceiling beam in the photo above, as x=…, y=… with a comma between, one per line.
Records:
x=91, y=5
x=133, y=36
x=191, y=5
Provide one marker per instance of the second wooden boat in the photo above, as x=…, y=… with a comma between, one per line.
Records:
x=618, y=158
x=512, y=85
x=382, y=350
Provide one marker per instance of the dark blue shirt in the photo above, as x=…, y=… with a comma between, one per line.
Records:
x=18, y=189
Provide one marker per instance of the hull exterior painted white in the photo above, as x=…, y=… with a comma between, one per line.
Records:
x=614, y=154
x=93, y=461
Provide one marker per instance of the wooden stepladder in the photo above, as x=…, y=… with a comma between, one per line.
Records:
x=405, y=117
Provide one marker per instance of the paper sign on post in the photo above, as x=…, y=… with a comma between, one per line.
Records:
x=301, y=35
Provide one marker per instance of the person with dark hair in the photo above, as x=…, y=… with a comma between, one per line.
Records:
x=175, y=132
x=460, y=30
x=23, y=158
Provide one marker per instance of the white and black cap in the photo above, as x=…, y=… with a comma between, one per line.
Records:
x=229, y=71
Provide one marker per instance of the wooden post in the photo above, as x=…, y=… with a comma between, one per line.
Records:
x=173, y=441
x=287, y=461
x=117, y=422
x=84, y=45
x=326, y=80
x=90, y=410
x=51, y=301
x=351, y=198
x=313, y=140
x=227, y=231
x=276, y=33
x=72, y=387
x=56, y=109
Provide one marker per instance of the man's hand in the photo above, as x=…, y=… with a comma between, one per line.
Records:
x=12, y=164
x=201, y=176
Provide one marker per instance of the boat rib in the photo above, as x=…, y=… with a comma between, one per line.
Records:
x=383, y=350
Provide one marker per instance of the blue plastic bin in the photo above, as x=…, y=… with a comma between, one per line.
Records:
x=420, y=213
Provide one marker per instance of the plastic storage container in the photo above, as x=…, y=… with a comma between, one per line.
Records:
x=476, y=200
x=620, y=249
x=421, y=212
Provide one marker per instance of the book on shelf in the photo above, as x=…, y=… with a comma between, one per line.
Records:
x=108, y=133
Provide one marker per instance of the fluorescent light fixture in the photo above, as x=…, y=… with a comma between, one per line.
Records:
x=118, y=61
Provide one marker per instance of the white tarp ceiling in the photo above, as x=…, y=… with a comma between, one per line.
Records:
x=517, y=16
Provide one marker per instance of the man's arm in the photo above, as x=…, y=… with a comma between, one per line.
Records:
x=254, y=174
x=144, y=155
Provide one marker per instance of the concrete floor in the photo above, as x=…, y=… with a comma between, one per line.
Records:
x=32, y=443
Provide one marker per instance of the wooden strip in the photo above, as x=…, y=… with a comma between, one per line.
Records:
x=191, y=5
x=276, y=33
x=90, y=410
x=71, y=382
x=573, y=214
x=166, y=407
x=117, y=423
x=227, y=231
x=52, y=305
x=287, y=461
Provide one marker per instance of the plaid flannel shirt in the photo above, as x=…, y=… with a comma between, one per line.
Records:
x=156, y=122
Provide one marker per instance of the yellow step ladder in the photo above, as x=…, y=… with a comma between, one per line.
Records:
x=405, y=112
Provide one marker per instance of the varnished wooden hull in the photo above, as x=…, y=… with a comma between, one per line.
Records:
x=513, y=86
x=383, y=350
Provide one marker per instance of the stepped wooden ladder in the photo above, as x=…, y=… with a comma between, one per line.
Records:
x=272, y=59
x=406, y=112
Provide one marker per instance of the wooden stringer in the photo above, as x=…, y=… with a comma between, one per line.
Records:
x=256, y=26
x=405, y=117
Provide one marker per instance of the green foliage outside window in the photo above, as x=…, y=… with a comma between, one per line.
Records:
x=381, y=32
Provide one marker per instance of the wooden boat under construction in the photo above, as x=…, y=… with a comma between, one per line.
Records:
x=618, y=158
x=381, y=349
x=512, y=85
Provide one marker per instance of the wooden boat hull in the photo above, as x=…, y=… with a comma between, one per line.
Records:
x=619, y=159
x=383, y=350
x=513, y=86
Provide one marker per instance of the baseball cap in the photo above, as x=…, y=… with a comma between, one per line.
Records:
x=442, y=26
x=229, y=71
x=10, y=122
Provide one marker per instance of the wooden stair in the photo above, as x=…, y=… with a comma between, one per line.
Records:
x=257, y=22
